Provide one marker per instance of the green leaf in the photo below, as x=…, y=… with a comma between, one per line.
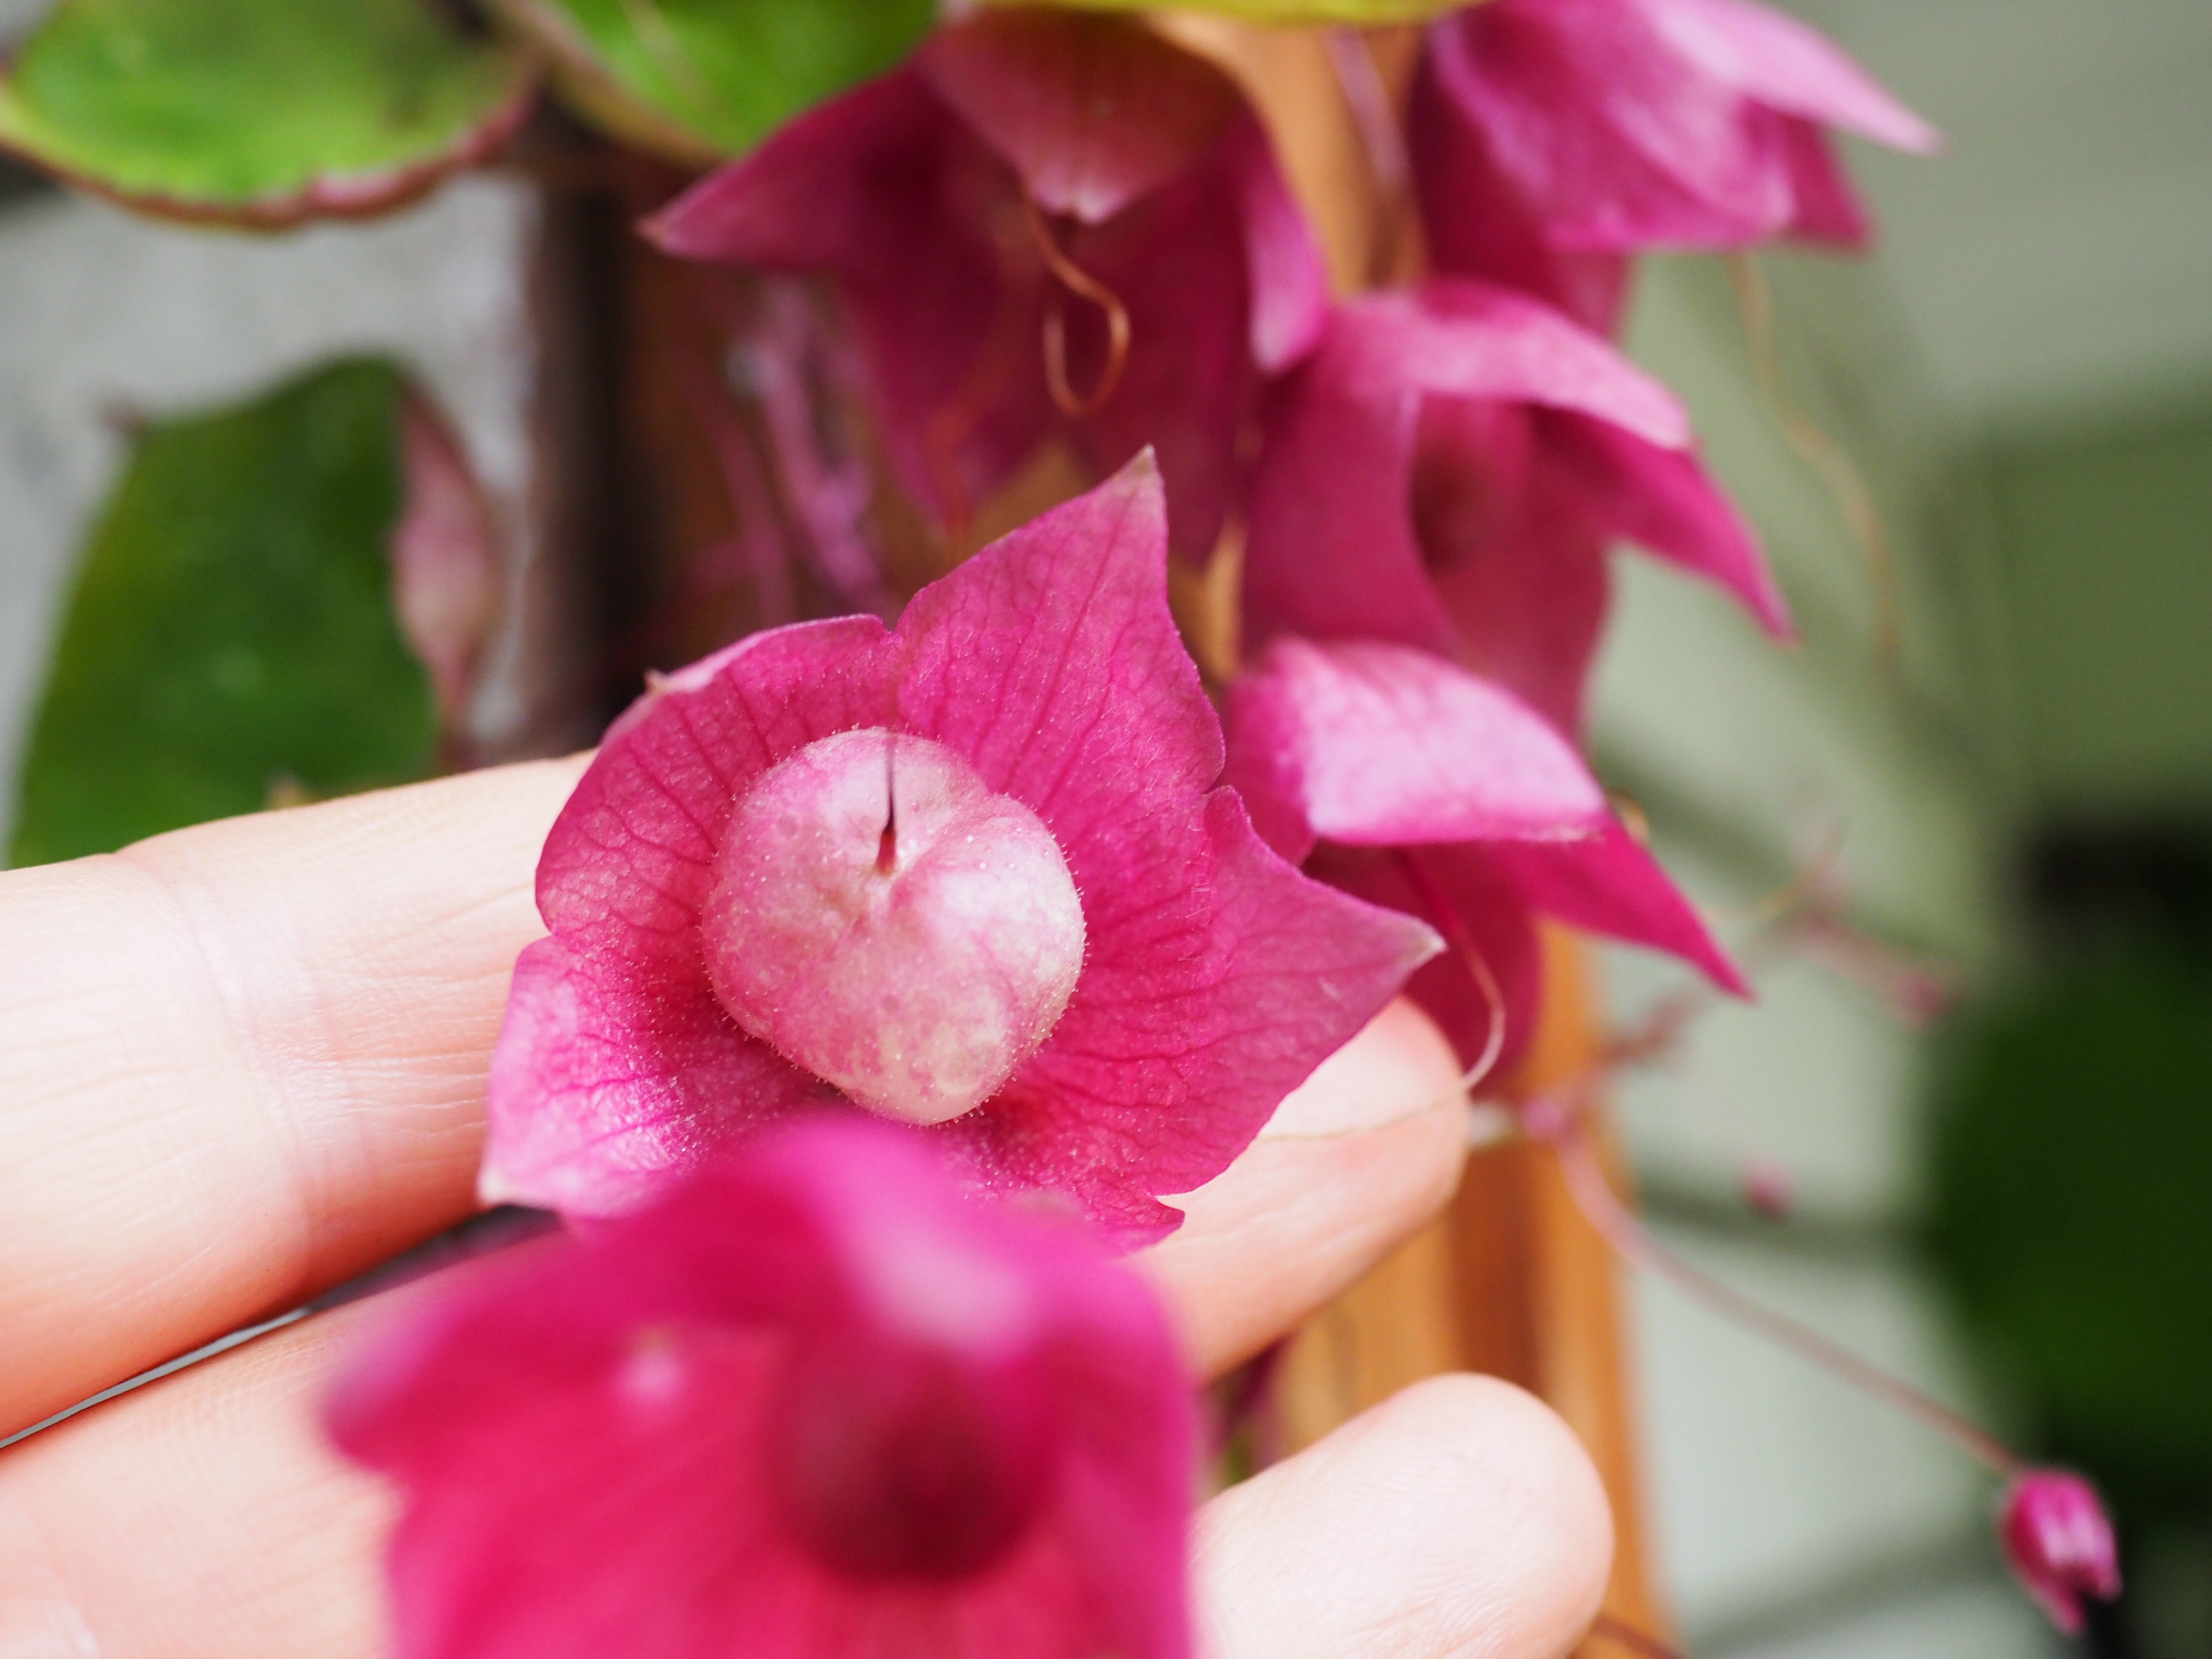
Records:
x=232, y=634
x=698, y=79
x=258, y=111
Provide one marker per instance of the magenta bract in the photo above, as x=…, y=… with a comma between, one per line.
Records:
x=2060, y=1544
x=1449, y=469
x=1405, y=779
x=1551, y=138
x=929, y=197
x=813, y=1400
x=875, y=952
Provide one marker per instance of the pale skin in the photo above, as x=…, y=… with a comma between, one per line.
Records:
x=241, y=1063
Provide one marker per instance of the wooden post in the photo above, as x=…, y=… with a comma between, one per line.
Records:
x=1512, y=1282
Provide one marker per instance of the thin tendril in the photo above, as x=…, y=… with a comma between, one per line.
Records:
x=1602, y=1209
x=1453, y=929
x=1081, y=283
x=1628, y=1636
x=1827, y=457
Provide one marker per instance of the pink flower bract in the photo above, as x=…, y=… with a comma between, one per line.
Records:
x=905, y=940
x=1449, y=469
x=926, y=196
x=811, y=1402
x=1412, y=783
x=2059, y=1542
x=1551, y=138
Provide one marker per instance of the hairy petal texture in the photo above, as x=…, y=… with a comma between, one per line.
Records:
x=1447, y=469
x=1214, y=978
x=765, y=1414
x=1378, y=744
x=1551, y=138
x=1413, y=784
x=925, y=195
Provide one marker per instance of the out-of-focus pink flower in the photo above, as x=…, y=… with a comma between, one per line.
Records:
x=1407, y=780
x=1549, y=139
x=445, y=557
x=1449, y=469
x=812, y=1401
x=974, y=872
x=2060, y=1543
x=987, y=209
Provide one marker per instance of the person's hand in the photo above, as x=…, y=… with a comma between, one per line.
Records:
x=241, y=1063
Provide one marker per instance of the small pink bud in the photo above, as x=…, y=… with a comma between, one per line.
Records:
x=883, y=918
x=1769, y=1189
x=2060, y=1543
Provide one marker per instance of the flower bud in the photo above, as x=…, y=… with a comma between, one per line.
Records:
x=884, y=919
x=2060, y=1543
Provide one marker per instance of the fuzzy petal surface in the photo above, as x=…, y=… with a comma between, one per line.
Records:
x=1371, y=744
x=1769, y=55
x=1608, y=884
x=1093, y=112
x=924, y=194
x=1478, y=225
x=1486, y=918
x=1050, y=665
x=1619, y=126
x=610, y=1443
x=1082, y=703
x=1665, y=501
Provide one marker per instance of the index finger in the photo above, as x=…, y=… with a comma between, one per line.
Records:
x=242, y=1062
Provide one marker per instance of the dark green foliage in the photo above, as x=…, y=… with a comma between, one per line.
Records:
x=2073, y=1217
x=232, y=629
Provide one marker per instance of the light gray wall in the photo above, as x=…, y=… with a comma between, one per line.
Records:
x=103, y=315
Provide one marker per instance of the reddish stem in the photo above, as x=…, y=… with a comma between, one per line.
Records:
x=1633, y=1243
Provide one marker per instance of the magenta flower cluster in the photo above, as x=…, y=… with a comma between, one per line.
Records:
x=896, y=975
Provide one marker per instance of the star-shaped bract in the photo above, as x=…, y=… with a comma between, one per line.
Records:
x=1448, y=468
x=926, y=196
x=814, y=1401
x=1550, y=139
x=1213, y=976
x=1413, y=783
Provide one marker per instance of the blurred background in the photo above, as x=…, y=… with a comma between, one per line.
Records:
x=1982, y=1060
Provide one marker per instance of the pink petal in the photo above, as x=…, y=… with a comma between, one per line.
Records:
x=588, y=1431
x=889, y=189
x=1667, y=503
x=1288, y=281
x=1219, y=979
x=626, y=865
x=608, y=1078
x=1478, y=225
x=1377, y=745
x=1614, y=139
x=1177, y=260
x=1051, y=662
x=1092, y=111
x=1472, y=340
x=1828, y=206
x=1609, y=885
x=445, y=557
x=1488, y=917
x=1770, y=56
x=1330, y=549
x=1514, y=553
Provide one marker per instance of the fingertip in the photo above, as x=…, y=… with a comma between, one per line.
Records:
x=1354, y=1163
x=1462, y=1517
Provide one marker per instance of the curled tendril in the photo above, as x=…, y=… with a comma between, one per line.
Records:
x=1083, y=284
x=1448, y=923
